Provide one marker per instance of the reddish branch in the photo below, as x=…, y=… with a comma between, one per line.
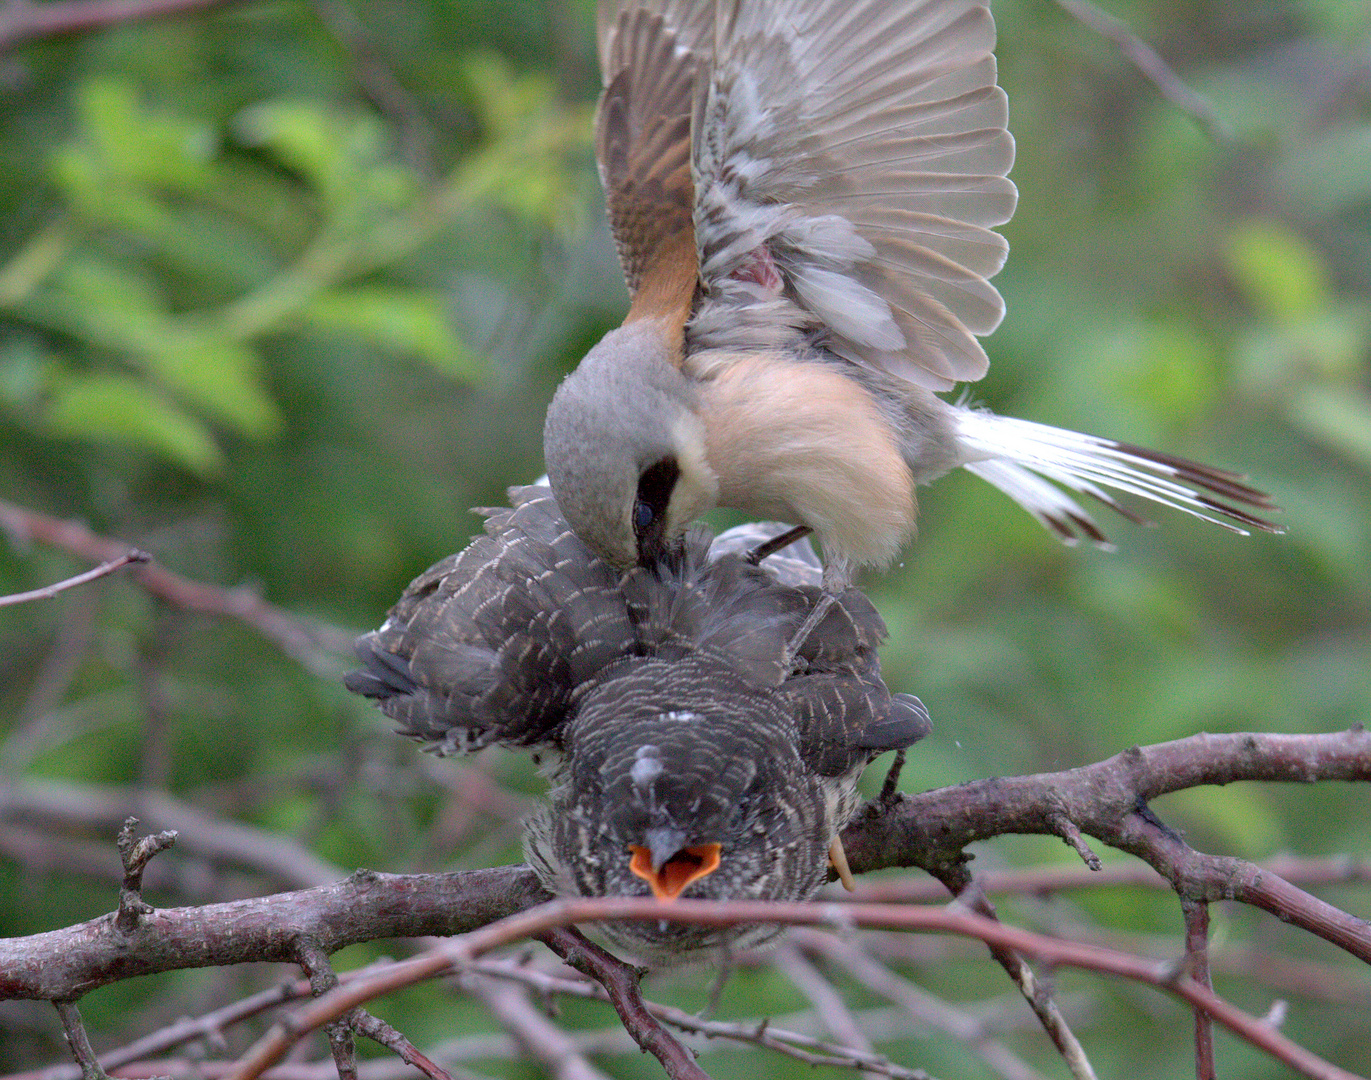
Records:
x=454, y=954
x=1107, y=800
x=920, y=830
x=298, y=638
x=1045, y=880
x=22, y=20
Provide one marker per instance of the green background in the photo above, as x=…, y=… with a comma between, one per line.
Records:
x=285, y=289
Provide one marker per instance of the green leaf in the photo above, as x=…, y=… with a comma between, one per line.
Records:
x=123, y=409
x=113, y=308
x=400, y=321
x=1282, y=274
x=221, y=376
x=344, y=156
x=122, y=143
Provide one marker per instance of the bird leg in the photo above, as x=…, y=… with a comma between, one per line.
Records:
x=889, y=790
x=778, y=543
x=837, y=577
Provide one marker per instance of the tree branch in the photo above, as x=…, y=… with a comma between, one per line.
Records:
x=455, y=954
x=1108, y=800
x=47, y=592
x=620, y=981
x=21, y=20
x=305, y=641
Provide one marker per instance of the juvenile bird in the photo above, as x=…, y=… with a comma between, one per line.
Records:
x=690, y=753
x=802, y=193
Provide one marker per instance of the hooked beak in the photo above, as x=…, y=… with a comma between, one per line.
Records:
x=667, y=866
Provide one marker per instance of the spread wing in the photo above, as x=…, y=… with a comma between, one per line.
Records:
x=650, y=59
x=850, y=159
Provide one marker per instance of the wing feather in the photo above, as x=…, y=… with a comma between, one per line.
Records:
x=861, y=148
x=649, y=59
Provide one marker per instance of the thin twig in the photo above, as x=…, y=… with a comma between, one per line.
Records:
x=620, y=981
x=1072, y=835
x=1196, y=914
x=964, y=887
x=540, y=1039
x=302, y=640
x=828, y=1003
x=1148, y=61
x=923, y=1008
x=47, y=592
x=767, y=1035
x=1047, y=880
x=78, y=1041
x=378, y=1031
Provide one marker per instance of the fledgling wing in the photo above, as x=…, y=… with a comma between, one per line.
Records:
x=650, y=59
x=844, y=712
x=857, y=151
x=724, y=608
x=490, y=644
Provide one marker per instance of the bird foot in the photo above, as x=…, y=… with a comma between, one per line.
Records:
x=890, y=789
x=821, y=606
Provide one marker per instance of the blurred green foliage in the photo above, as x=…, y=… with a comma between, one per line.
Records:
x=285, y=288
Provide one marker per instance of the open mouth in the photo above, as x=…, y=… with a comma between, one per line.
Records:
x=687, y=865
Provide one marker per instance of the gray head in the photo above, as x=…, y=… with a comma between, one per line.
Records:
x=625, y=447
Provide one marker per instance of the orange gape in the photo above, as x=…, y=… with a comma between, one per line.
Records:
x=687, y=865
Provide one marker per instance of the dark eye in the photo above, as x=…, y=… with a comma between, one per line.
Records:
x=655, y=485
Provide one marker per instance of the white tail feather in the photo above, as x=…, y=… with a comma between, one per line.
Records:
x=1019, y=457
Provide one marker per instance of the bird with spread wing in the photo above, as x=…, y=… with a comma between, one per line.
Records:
x=803, y=194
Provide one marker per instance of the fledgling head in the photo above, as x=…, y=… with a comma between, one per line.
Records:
x=625, y=448
x=681, y=780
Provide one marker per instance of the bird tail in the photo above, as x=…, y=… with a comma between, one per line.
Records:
x=1019, y=457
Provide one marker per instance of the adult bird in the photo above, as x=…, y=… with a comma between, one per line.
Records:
x=802, y=193
x=691, y=753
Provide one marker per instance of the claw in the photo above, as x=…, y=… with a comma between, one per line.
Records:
x=837, y=858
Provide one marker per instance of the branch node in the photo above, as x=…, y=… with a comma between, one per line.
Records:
x=135, y=855
x=1067, y=830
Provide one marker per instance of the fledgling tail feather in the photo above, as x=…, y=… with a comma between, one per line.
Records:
x=1019, y=457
